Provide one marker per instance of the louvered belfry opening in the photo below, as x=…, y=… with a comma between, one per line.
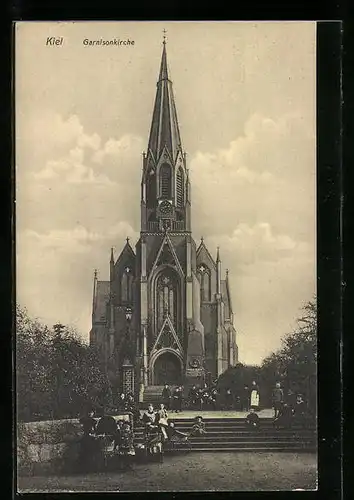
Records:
x=165, y=181
x=180, y=188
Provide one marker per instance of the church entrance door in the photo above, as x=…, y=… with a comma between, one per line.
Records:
x=167, y=370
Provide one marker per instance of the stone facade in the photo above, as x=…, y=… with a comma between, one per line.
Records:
x=166, y=309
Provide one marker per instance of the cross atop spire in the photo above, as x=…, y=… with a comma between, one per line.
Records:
x=164, y=36
x=128, y=239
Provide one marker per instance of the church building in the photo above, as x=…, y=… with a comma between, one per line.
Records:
x=165, y=316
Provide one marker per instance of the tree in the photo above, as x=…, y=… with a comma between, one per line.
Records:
x=295, y=364
x=33, y=376
x=236, y=377
x=58, y=375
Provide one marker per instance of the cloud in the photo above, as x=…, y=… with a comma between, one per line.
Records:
x=124, y=148
x=77, y=240
x=258, y=243
x=254, y=199
x=267, y=174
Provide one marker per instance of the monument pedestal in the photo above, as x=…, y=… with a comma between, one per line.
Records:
x=195, y=373
x=194, y=377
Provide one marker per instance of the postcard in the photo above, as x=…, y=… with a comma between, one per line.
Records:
x=166, y=316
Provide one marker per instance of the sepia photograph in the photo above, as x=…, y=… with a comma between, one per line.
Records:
x=166, y=310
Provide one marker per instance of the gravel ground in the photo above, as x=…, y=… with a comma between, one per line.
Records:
x=194, y=472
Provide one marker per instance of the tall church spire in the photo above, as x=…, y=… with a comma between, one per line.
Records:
x=164, y=130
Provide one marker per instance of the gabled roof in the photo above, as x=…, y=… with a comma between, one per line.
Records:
x=167, y=241
x=203, y=249
x=126, y=254
x=164, y=127
x=172, y=339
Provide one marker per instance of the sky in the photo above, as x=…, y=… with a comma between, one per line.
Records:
x=246, y=105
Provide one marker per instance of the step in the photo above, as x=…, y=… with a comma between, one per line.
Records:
x=225, y=439
x=222, y=439
x=247, y=432
x=238, y=429
x=292, y=449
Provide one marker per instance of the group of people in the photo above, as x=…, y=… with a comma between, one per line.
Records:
x=289, y=409
x=127, y=403
x=210, y=398
x=172, y=400
x=158, y=423
x=105, y=429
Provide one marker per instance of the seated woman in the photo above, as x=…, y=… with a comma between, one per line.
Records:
x=107, y=432
x=252, y=420
x=161, y=420
x=198, y=428
x=106, y=426
x=149, y=421
x=152, y=435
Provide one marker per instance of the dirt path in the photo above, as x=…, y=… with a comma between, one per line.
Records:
x=195, y=472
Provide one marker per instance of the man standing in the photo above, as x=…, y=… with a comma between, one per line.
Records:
x=192, y=397
x=277, y=399
x=228, y=399
x=177, y=399
x=166, y=397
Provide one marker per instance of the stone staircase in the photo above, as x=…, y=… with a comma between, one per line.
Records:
x=231, y=434
x=152, y=395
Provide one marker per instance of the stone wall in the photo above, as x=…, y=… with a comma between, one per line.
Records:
x=49, y=446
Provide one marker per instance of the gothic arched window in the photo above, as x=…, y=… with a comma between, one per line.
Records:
x=165, y=181
x=166, y=292
x=151, y=189
x=180, y=188
x=205, y=286
x=127, y=285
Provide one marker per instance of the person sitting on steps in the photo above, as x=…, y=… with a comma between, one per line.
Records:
x=252, y=420
x=198, y=428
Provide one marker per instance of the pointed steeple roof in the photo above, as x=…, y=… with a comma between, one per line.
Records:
x=217, y=254
x=164, y=130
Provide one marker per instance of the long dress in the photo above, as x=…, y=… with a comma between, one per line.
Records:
x=254, y=398
x=153, y=441
x=161, y=420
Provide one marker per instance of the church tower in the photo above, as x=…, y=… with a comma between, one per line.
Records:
x=165, y=315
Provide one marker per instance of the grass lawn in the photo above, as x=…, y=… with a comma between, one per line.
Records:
x=194, y=472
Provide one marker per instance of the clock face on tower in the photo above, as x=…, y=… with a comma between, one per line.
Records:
x=165, y=208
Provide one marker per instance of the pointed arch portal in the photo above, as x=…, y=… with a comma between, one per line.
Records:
x=167, y=369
